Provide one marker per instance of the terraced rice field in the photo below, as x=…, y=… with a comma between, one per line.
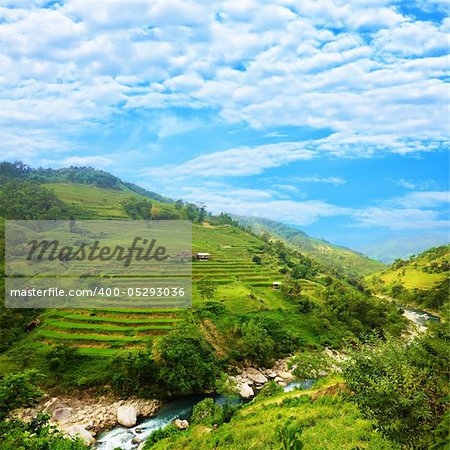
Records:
x=104, y=332
x=231, y=253
x=105, y=329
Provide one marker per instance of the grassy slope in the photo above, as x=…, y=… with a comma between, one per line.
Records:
x=339, y=258
x=329, y=421
x=243, y=286
x=412, y=274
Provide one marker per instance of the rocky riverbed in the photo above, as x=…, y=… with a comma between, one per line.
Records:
x=249, y=380
x=88, y=415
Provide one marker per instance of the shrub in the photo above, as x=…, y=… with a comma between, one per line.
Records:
x=187, y=362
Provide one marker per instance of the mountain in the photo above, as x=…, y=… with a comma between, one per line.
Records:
x=336, y=257
x=243, y=266
x=392, y=248
x=422, y=280
x=79, y=175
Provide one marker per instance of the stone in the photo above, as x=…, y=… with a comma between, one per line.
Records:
x=278, y=379
x=138, y=430
x=271, y=374
x=136, y=440
x=181, y=424
x=126, y=416
x=61, y=414
x=256, y=376
x=282, y=383
x=246, y=391
x=285, y=375
x=81, y=432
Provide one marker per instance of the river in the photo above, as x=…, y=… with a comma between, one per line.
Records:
x=121, y=437
x=419, y=317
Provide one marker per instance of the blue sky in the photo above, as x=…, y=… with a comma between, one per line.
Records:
x=330, y=115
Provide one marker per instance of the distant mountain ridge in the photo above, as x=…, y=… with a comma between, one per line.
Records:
x=340, y=258
x=403, y=247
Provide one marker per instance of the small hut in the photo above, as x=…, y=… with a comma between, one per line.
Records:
x=203, y=256
x=276, y=285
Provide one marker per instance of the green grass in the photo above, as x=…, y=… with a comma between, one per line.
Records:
x=104, y=203
x=328, y=420
x=413, y=278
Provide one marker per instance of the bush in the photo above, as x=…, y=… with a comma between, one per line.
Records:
x=405, y=389
x=288, y=435
x=270, y=389
x=256, y=345
x=187, y=362
x=135, y=373
x=157, y=435
x=208, y=412
x=61, y=356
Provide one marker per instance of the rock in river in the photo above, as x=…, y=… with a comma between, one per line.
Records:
x=126, y=416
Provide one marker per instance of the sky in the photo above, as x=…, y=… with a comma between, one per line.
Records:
x=329, y=115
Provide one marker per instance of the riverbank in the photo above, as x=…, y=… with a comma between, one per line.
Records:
x=87, y=415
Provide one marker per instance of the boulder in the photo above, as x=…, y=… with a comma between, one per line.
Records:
x=126, y=416
x=181, y=424
x=246, y=391
x=81, y=432
x=271, y=374
x=136, y=440
x=285, y=375
x=61, y=414
x=278, y=379
x=256, y=376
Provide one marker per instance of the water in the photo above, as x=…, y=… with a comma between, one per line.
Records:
x=121, y=437
x=419, y=317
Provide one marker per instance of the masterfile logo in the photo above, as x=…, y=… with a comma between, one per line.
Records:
x=98, y=264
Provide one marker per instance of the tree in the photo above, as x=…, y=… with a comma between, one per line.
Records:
x=404, y=388
x=207, y=289
x=138, y=208
x=187, y=362
x=257, y=260
x=18, y=390
x=256, y=343
x=291, y=288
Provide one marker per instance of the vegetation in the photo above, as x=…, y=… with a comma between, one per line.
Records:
x=319, y=418
x=405, y=390
x=339, y=259
x=20, y=390
x=423, y=280
x=399, y=393
x=187, y=362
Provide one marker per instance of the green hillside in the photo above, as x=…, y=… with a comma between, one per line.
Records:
x=422, y=280
x=242, y=268
x=337, y=258
x=322, y=417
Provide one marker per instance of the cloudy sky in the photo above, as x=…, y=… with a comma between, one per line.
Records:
x=332, y=115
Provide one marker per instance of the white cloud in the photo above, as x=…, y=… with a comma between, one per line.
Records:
x=400, y=219
x=235, y=162
x=93, y=161
x=414, y=38
x=420, y=184
x=361, y=69
x=424, y=199
x=317, y=179
x=260, y=203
